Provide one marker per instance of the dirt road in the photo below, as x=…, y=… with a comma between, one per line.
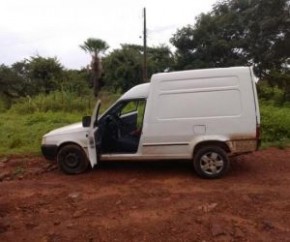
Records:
x=146, y=201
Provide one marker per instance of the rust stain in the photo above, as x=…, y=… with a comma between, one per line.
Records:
x=242, y=137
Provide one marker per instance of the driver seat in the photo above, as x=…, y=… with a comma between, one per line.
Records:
x=128, y=143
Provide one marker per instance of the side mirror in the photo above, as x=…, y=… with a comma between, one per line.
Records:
x=86, y=121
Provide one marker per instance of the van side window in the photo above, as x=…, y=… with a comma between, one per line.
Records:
x=129, y=108
x=141, y=112
x=136, y=107
x=123, y=127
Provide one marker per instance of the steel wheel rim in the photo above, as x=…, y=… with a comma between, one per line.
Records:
x=72, y=160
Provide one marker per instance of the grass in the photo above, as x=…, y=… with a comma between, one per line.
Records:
x=22, y=133
x=24, y=124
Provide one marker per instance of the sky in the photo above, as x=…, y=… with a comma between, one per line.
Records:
x=56, y=28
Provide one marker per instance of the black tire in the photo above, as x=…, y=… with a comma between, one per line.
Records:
x=211, y=162
x=71, y=159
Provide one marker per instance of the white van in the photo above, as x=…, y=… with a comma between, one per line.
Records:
x=203, y=115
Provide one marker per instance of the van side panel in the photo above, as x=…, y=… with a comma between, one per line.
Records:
x=185, y=108
x=203, y=104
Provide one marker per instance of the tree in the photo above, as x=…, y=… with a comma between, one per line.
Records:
x=76, y=81
x=212, y=42
x=11, y=84
x=160, y=59
x=30, y=77
x=123, y=67
x=265, y=30
x=244, y=32
x=45, y=74
x=21, y=69
x=94, y=47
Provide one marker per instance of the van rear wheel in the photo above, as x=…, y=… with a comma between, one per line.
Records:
x=211, y=162
x=72, y=159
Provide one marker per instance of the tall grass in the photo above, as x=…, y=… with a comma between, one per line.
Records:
x=60, y=102
x=24, y=124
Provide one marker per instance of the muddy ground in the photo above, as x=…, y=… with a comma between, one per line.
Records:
x=146, y=201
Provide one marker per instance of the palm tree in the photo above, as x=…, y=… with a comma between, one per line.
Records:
x=94, y=47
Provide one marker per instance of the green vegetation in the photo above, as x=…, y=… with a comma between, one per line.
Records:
x=275, y=128
x=23, y=125
x=66, y=102
x=21, y=133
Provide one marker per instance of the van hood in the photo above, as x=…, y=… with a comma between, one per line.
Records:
x=76, y=127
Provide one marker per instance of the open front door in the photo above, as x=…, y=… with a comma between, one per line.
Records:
x=92, y=150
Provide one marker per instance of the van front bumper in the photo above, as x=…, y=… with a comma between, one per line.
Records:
x=49, y=151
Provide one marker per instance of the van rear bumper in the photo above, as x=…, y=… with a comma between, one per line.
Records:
x=243, y=145
x=49, y=151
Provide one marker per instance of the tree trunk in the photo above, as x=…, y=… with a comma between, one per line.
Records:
x=97, y=72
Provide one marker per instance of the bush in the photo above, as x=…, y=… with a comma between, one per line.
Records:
x=270, y=95
x=275, y=124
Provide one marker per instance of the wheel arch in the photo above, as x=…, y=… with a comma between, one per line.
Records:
x=60, y=146
x=221, y=144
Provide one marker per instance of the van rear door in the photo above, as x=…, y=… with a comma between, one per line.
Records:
x=257, y=109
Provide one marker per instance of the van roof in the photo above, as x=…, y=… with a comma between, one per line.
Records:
x=139, y=91
x=198, y=73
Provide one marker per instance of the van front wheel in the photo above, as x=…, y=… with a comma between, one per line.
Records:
x=211, y=162
x=71, y=159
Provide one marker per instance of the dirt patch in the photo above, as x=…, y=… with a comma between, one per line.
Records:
x=146, y=201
